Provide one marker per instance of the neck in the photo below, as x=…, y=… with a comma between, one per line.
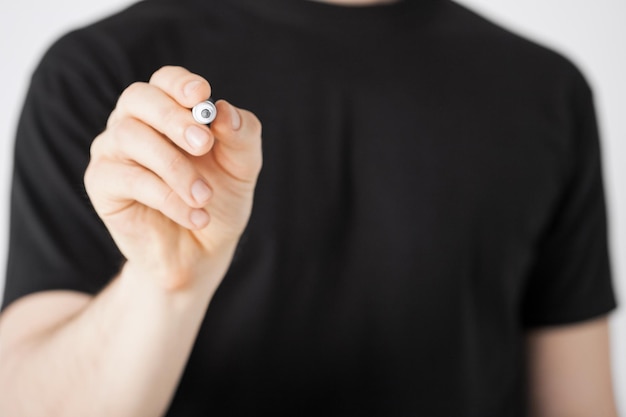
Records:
x=356, y=2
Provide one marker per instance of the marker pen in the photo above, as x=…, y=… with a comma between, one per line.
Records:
x=204, y=112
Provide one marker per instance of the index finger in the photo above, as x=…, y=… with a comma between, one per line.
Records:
x=187, y=88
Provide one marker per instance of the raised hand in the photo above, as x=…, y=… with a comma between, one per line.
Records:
x=175, y=195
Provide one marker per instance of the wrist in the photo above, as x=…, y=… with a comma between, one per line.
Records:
x=180, y=275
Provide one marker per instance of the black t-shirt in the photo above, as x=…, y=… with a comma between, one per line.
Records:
x=431, y=189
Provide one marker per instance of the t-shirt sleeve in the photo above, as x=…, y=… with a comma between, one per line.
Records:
x=571, y=278
x=56, y=240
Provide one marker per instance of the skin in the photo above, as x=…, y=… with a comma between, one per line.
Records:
x=154, y=194
x=177, y=217
x=570, y=371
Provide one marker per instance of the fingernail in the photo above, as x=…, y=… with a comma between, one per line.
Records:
x=199, y=218
x=191, y=87
x=196, y=137
x=235, y=119
x=200, y=191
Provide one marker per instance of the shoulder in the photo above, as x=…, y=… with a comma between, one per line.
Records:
x=129, y=45
x=514, y=54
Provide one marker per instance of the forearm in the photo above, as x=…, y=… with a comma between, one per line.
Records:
x=569, y=371
x=122, y=355
x=175, y=197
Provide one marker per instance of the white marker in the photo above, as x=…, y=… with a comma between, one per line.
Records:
x=204, y=112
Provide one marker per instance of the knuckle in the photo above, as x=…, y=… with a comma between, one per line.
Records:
x=124, y=125
x=130, y=93
x=168, y=115
x=125, y=101
x=91, y=177
x=168, y=198
x=121, y=132
x=113, y=118
x=124, y=128
x=175, y=162
x=164, y=71
x=95, y=149
x=157, y=74
x=135, y=180
x=88, y=178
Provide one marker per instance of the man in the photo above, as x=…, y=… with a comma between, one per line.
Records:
x=426, y=237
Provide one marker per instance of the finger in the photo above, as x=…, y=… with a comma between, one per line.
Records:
x=187, y=88
x=155, y=108
x=134, y=142
x=238, y=140
x=114, y=187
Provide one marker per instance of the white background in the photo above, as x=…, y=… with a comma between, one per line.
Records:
x=591, y=33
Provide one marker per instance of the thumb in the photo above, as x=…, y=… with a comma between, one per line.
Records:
x=238, y=141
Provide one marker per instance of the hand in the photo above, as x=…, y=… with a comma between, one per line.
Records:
x=174, y=194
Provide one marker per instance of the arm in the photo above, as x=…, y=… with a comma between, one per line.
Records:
x=122, y=352
x=569, y=371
